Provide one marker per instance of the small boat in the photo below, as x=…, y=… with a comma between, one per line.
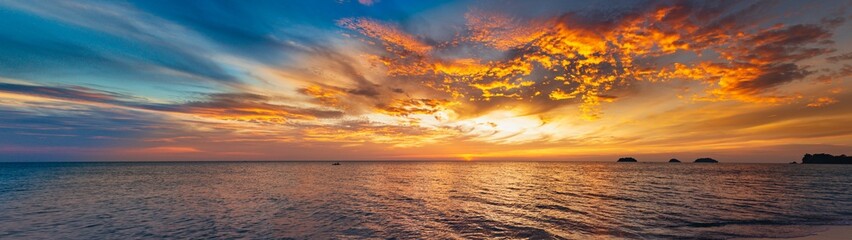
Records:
x=336, y=163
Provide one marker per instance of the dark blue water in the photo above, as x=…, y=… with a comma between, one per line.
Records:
x=419, y=200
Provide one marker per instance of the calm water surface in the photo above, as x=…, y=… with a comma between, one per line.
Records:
x=419, y=200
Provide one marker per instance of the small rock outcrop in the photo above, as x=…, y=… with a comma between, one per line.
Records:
x=706, y=160
x=822, y=158
x=674, y=160
x=627, y=159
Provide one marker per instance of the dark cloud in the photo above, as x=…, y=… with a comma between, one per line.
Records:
x=833, y=21
x=830, y=75
x=250, y=107
x=231, y=106
x=787, y=44
x=71, y=125
x=840, y=58
x=364, y=87
x=73, y=93
x=771, y=76
x=774, y=56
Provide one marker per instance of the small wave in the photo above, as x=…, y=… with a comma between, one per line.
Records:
x=612, y=197
x=725, y=223
x=560, y=208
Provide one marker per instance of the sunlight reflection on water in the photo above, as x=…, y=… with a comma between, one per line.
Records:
x=419, y=200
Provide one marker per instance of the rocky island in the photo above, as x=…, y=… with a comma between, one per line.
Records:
x=627, y=159
x=674, y=160
x=822, y=158
x=706, y=160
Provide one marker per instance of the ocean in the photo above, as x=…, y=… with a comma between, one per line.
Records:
x=419, y=200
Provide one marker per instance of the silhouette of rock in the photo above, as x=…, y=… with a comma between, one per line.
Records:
x=794, y=162
x=627, y=159
x=822, y=158
x=706, y=160
x=674, y=160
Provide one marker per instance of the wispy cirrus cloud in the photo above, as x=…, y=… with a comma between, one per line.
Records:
x=226, y=106
x=117, y=36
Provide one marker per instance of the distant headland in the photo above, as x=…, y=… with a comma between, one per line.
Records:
x=706, y=160
x=822, y=158
x=627, y=159
x=674, y=160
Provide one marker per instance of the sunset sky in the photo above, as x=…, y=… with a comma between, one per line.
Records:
x=739, y=81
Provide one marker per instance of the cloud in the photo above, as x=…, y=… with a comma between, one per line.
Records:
x=360, y=131
x=822, y=101
x=132, y=41
x=326, y=96
x=831, y=75
x=162, y=150
x=840, y=58
x=74, y=93
x=390, y=35
x=575, y=58
x=66, y=124
x=406, y=107
x=249, y=107
x=770, y=76
x=225, y=106
x=368, y=2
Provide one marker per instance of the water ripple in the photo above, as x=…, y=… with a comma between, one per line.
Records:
x=444, y=200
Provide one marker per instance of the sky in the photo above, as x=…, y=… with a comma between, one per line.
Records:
x=151, y=80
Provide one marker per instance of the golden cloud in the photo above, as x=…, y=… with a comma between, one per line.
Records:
x=576, y=60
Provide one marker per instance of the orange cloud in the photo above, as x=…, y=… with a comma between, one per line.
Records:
x=390, y=35
x=822, y=101
x=327, y=96
x=574, y=60
x=405, y=107
x=165, y=150
x=369, y=132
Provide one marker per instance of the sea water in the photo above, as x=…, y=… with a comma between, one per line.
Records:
x=405, y=200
